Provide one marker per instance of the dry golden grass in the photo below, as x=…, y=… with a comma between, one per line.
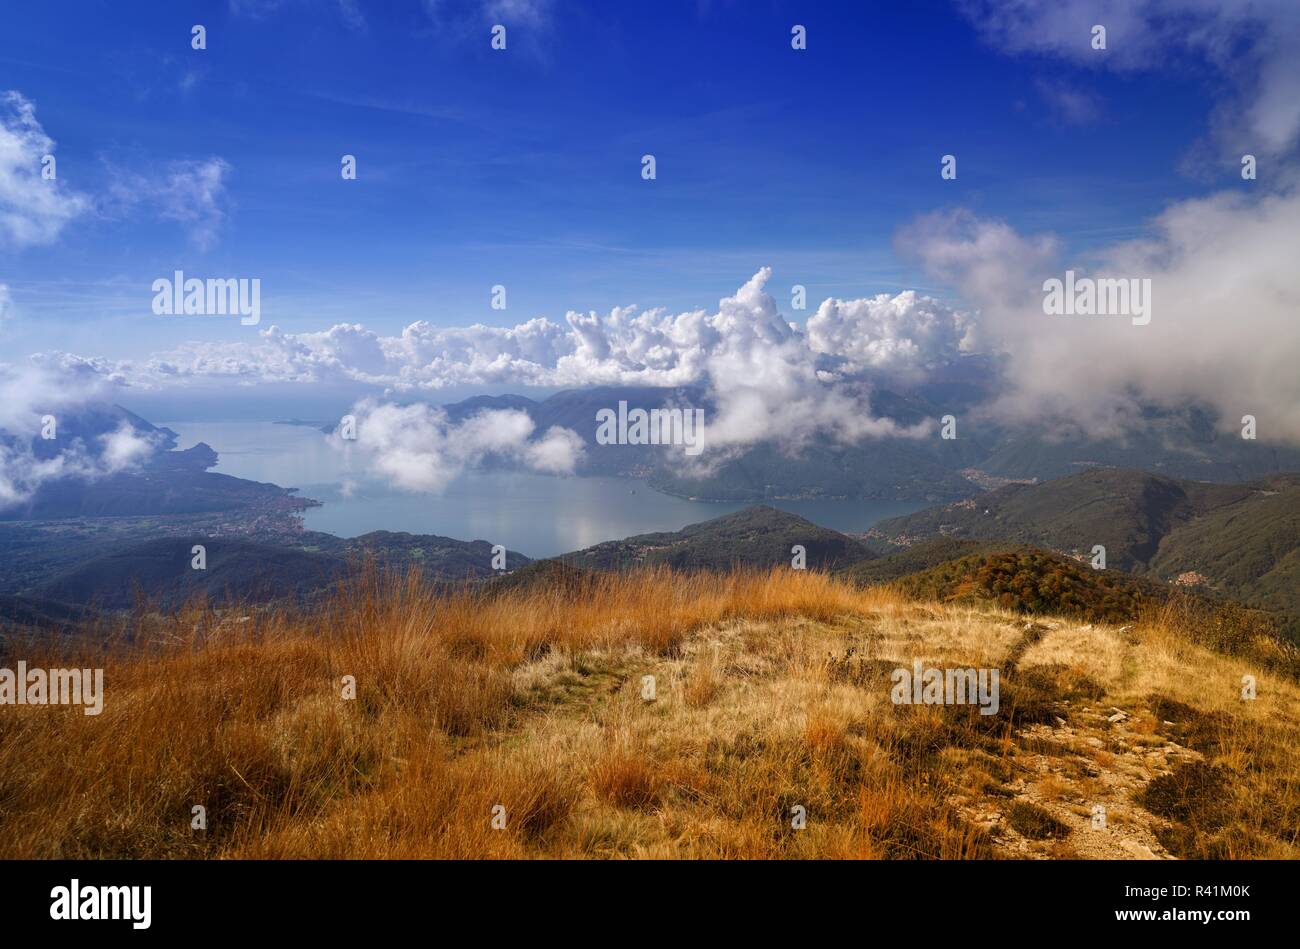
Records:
x=525, y=709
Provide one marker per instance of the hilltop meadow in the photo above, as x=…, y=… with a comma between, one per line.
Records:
x=396, y=719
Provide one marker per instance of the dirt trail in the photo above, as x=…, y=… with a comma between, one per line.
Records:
x=1083, y=770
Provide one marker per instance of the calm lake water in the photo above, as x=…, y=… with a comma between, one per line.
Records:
x=537, y=515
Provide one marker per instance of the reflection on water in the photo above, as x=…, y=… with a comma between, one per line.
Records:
x=536, y=515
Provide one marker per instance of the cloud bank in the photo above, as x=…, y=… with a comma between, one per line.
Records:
x=902, y=335
x=1225, y=292
x=763, y=377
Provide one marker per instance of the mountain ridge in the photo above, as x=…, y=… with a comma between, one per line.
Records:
x=758, y=536
x=1238, y=540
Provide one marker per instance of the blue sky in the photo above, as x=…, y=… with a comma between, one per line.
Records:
x=522, y=168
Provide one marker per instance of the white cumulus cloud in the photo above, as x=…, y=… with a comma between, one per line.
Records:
x=33, y=209
x=418, y=448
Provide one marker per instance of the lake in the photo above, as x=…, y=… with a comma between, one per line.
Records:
x=537, y=515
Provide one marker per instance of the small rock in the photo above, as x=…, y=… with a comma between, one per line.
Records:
x=1138, y=850
x=1117, y=717
x=1059, y=721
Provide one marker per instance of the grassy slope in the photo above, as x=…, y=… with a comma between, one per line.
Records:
x=772, y=693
